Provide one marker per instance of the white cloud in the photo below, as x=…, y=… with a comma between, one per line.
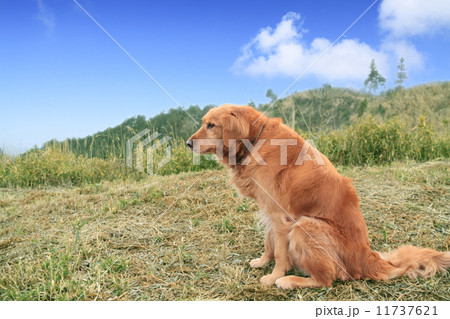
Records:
x=45, y=15
x=414, y=17
x=347, y=60
x=280, y=51
x=403, y=49
x=285, y=33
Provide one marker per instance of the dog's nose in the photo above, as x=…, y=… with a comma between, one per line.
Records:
x=190, y=143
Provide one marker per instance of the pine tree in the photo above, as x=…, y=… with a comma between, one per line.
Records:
x=272, y=96
x=374, y=80
x=401, y=73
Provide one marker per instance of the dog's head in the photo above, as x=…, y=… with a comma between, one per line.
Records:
x=223, y=125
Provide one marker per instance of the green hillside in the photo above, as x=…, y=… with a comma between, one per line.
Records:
x=111, y=142
x=78, y=224
x=329, y=108
x=314, y=111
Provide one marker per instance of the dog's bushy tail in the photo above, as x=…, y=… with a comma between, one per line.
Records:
x=415, y=262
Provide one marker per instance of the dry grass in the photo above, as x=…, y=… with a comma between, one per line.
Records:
x=101, y=242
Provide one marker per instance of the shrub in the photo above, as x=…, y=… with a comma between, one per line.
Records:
x=56, y=167
x=181, y=160
x=363, y=143
x=53, y=166
x=367, y=142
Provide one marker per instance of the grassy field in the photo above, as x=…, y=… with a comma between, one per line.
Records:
x=190, y=236
x=364, y=143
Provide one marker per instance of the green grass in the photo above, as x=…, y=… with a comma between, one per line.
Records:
x=319, y=111
x=53, y=166
x=86, y=227
x=366, y=142
x=329, y=108
x=152, y=239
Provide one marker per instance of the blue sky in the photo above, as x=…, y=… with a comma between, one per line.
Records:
x=62, y=76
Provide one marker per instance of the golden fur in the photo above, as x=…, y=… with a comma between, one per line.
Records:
x=312, y=216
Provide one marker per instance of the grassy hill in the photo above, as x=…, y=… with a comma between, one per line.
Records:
x=176, y=123
x=77, y=224
x=350, y=128
x=329, y=108
x=315, y=111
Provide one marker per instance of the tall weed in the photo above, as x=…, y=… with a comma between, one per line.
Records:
x=367, y=142
x=53, y=166
x=363, y=143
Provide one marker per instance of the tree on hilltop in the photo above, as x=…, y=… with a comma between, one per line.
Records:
x=374, y=80
x=401, y=73
x=272, y=96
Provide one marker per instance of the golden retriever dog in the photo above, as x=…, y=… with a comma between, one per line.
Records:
x=312, y=216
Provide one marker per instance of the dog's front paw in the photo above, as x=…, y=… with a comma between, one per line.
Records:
x=284, y=283
x=257, y=263
x=268, y=280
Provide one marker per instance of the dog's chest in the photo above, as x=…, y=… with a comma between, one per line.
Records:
x=244, y=184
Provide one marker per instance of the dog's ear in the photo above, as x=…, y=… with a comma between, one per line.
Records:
x=235, y=126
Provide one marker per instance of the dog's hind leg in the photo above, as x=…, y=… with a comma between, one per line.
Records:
x=291, y=282
x=311, y=250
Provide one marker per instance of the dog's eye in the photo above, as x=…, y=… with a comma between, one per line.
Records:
x=210, y=125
